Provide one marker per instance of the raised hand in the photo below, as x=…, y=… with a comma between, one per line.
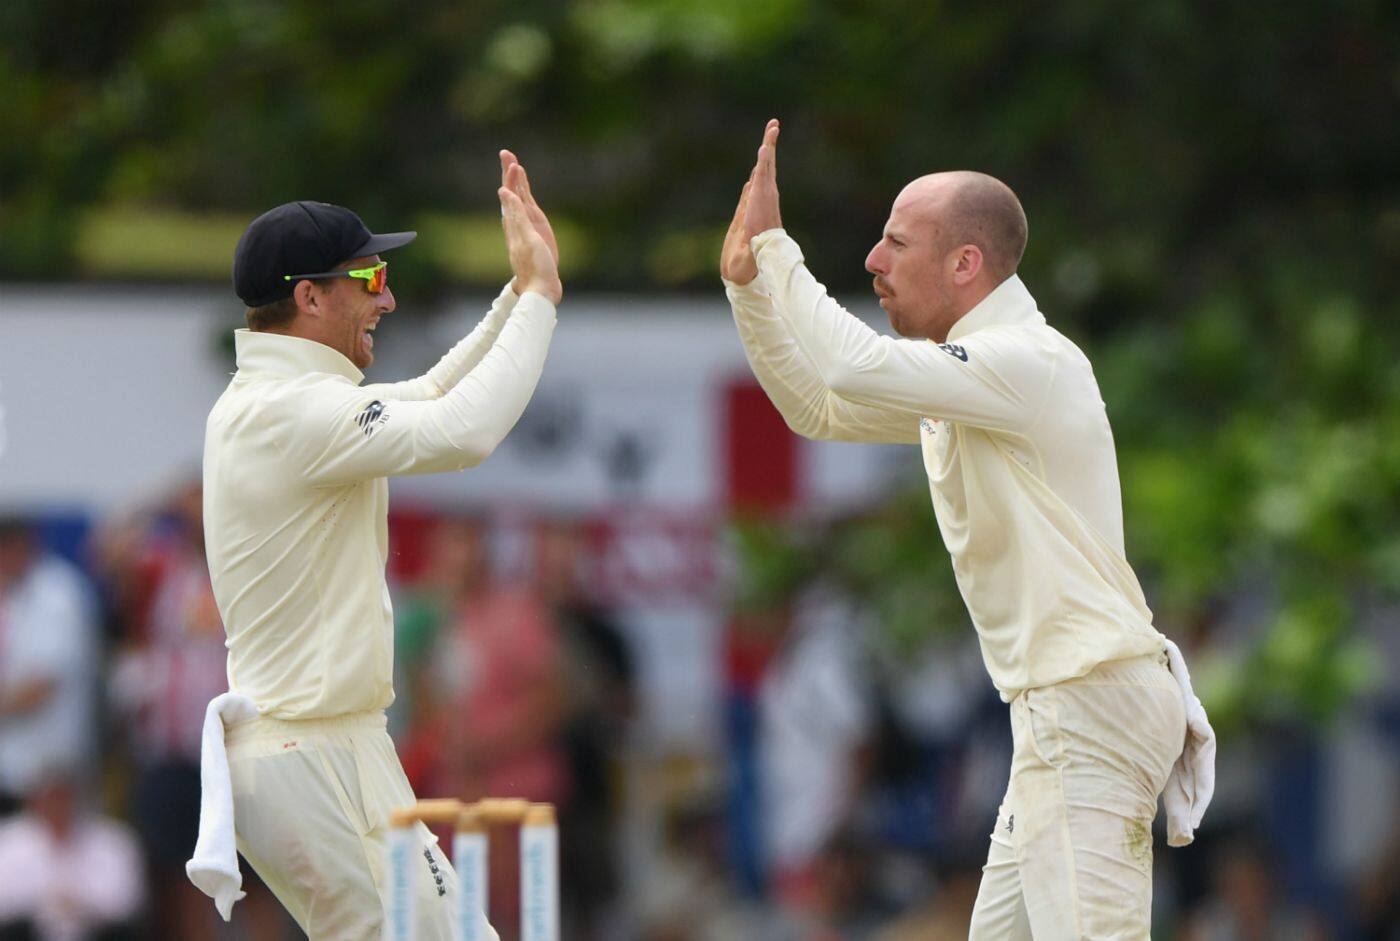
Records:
x=513, y=176
x=762, y=213
x=530, y=256
x=736, y=261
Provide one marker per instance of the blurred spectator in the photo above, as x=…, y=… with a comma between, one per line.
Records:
x=489, y=716
x=497, y=665
x=48, y=653
x=67, y=874
x=941, y=747
x=815, y=717
x=420, y=611
x=600, y=677
x=421, y=619
x=170, y=663
x=1245, y=905
x=753, y=636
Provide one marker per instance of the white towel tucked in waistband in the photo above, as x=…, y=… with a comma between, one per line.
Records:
x=1192, y=781
x=214, y=866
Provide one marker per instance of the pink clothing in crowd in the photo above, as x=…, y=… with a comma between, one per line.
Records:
x=501, y=672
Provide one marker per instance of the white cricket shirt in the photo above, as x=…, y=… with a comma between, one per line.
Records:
x=1015, y=441
x=296, y=453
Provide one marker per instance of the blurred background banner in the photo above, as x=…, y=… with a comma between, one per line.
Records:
x=647, y=400
x=735, y=658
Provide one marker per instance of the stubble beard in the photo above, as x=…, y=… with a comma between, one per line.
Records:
x=932, y=322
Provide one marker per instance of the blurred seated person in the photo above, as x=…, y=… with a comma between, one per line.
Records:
x=67, y=874
x=48, y=652
x=489, y=716
x=495, y=679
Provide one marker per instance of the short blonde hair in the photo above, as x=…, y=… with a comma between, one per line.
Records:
x=983, y=211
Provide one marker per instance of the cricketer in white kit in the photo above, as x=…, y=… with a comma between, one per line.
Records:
x=295, y=461
x=1024, y=481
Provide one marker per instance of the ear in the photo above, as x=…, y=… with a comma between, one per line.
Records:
x=308, y=298
x=967, y=264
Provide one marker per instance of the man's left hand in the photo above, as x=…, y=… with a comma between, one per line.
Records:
x=519, y=182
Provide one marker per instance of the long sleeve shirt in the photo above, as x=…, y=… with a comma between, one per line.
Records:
x=296, y=454
x=1015, y=441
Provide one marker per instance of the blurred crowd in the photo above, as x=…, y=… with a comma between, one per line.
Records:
x=848, y=794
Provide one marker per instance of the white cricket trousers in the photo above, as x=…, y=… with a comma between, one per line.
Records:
x=1071, y=855
x=311, y=809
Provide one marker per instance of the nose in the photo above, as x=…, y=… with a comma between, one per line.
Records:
x=875, y=261
x=385, y=302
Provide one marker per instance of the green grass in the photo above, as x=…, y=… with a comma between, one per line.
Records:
x=144, y=243
x=138, y=242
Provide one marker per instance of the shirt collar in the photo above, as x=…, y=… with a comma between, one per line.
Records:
x=288, y=356
x=1009, y=303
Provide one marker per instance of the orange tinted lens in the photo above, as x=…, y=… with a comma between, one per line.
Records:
x=378, y=280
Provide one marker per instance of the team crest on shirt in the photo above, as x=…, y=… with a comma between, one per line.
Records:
x=372, y=417
x=928, y=426
x=954, y=350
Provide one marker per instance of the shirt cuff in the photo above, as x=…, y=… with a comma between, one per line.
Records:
x=751, y=291
x=537, y=301
x=770, y=238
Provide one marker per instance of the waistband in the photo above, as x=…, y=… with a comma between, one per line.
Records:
x=1151, y=664
x=1150, y=670
x=268, y=727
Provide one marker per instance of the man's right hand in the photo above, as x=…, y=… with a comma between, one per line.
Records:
x=736, y=262
x=531, y=258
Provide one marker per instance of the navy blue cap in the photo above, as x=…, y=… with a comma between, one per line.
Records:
x=303, y=237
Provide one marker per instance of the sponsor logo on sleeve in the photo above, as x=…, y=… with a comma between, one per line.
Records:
x=372, y=417
x=954, y=350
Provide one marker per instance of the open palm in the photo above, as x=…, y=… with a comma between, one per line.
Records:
x=513, y=175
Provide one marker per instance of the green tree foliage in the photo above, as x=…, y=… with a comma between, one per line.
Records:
x=1212, y=188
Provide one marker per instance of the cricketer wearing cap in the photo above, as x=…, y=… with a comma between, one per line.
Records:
x=295, y=461
x=1024, y=482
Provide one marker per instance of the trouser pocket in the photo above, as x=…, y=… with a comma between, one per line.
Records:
x=1041, y=725
x=344, y=780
